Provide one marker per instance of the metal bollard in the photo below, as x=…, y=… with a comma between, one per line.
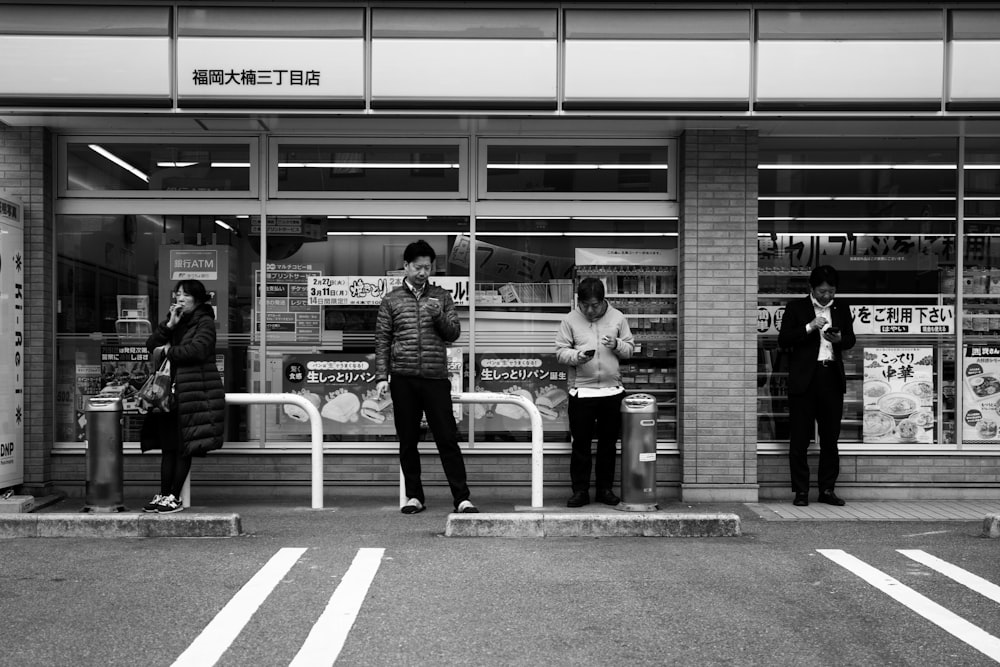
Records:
x=105, y=470
x=638, y=454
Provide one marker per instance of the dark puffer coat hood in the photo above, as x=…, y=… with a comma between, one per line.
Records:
x=200, y=404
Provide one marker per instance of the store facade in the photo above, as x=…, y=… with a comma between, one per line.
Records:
x=285, y=157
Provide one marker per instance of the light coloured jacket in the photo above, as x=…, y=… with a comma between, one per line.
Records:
x=577, y=333
x=408, y=341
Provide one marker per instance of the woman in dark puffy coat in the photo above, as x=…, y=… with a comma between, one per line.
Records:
x=196, y=423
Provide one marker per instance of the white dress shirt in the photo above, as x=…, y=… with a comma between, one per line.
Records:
x=825, y=346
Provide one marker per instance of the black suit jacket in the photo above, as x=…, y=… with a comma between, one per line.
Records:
x=803, y=348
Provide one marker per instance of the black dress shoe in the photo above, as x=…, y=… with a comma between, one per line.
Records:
x=607, y=496
x=830, y=498
x=578, y=499
x=801, y=499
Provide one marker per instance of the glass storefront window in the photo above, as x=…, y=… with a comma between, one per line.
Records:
x=103, y=165
x=526, y=273
x=583, y=169
x=979, y=392
x=883, y=212
x=354, y=168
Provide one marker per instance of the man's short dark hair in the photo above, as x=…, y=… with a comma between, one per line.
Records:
x=590, y=288
x=419, y=248
x=824, y=274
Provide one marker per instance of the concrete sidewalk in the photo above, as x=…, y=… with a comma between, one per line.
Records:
x=504, y=513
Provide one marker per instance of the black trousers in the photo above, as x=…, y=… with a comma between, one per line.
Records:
x=413, y=397
x=589, y=417
x=174, y=466
x=820, y=409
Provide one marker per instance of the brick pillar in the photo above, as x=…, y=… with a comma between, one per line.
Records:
x=25, y=172
x=718, y=316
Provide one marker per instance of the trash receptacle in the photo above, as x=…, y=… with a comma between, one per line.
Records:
x=105, y=471
x=638, y=453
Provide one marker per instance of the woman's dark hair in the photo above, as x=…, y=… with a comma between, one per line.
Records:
x=824, y=274
x=419, y=248
x=590, y=288
x=193, y=287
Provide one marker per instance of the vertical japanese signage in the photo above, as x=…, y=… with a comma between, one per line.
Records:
x=981, y=396
x=291, y=315
x=537, y=377
x=898, y=395
x=11, y=342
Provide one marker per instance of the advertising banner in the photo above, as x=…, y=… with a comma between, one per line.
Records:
x=369, y=290
x=124, y=369
x=11, y=343
x=898, y=395
x=342, y=387
x=537, y=377
x=291, y=314
x=981, y=395
x=881, y=319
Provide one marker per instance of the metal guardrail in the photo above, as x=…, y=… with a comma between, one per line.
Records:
x=537, y=437
x=316, y=426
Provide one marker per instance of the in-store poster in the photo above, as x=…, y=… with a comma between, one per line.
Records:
x=537, y=377
x=898, y=395
x=342, y=387
x=981, y=394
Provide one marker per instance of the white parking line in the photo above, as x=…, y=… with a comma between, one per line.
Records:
x=975, y=582
x=971, y=634
x=328, y=634
x=217, y=636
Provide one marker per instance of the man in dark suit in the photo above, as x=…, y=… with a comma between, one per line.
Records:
x=815, y=330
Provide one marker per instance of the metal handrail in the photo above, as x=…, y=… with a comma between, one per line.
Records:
x=316, y=426
x=537, y=437
x=315, y=422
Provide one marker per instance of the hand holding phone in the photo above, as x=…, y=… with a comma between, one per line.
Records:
x=589, y=353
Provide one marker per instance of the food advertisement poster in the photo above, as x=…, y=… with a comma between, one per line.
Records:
x=898, y=395
x=981, y=395
x=537, y=377
x=342, y=387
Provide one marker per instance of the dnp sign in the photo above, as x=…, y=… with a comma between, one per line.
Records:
x=11, y=341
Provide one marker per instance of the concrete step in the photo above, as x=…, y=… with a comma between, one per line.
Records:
x=593, y=524
x=121, y=524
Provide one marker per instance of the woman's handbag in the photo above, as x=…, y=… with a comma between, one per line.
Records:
x=156, y=394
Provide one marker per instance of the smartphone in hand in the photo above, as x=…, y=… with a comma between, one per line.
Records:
x=589, y=353
x=833, y=331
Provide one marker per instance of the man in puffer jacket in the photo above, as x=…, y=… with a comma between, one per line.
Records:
x=415, y=323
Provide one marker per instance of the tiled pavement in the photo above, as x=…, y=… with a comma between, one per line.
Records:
x=898, y=510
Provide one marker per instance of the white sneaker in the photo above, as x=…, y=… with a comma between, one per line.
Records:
x=169, y=504
x=465, y=507
x=154, y=504
x=413, y=506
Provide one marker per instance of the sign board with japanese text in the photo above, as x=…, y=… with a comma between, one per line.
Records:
x=855, y=252
x=626, y=256
x=537, y=377
x=880, y=319
x=233, y=68
x=898, y=394
x=12, y=332
x=212, y=265
x=291, y=315
x=980, y=416
x=369, y=290
x=496, y=263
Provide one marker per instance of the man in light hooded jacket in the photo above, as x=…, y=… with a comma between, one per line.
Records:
x=591, y=340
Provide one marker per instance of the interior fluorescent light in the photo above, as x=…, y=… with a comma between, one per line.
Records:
x=224, y=225
x=849, y=198
x=169, y=165
x=828, y=218
x=791, y=166
x=358, y=233
x=369, y=165
x=108, y=155
x=982, y=166
x=527, y=165
x=231, y=165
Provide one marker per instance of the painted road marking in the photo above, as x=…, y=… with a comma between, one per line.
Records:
x=328, y=634
x=218, y=635
x=967, y=579
x=971, y=634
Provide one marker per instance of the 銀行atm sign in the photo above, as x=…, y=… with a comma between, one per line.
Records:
x=11, y=342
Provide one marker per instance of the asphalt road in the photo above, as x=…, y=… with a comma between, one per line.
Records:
x=770, y=597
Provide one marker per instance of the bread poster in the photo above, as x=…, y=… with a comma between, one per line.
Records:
x=536, y=377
